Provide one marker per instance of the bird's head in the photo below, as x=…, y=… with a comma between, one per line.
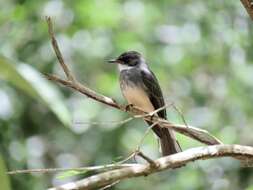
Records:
x=128, y=59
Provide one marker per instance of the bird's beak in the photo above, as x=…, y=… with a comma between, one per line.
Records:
x=113, y=61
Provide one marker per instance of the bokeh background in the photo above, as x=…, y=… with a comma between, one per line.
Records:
x=201, y=52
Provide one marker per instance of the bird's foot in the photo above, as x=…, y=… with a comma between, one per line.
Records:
x=129, y=107
x=152, y=115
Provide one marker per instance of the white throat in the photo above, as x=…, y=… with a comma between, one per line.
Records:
x=122, y=67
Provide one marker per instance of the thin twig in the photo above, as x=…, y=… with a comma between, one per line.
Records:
x=157, y=110
x=106, y=122
x=122, y=121
x=149, y=160
x=91, y=168
x=145, y=134
x=130, y=156
x=137, y=149
x=57, y=50
x=180, y=113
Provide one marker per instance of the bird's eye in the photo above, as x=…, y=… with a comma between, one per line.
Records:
x=133, y=62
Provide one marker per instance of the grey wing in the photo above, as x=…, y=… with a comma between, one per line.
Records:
x=154, y=92
x=169, y=144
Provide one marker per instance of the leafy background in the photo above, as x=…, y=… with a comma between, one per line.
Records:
x=201, y=51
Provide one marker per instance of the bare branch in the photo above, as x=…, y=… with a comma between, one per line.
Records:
x=168, y=162
x=180, y=113
x=145, y=134
x=248, y=5
x=149, y=160
x=91, y=168
x=57, y=50
x=105, y=122
x=130, y=156
x=86, y=91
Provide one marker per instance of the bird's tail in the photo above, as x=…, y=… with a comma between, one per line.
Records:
x=169, y=144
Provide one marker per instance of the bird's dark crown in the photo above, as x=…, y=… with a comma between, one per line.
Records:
x=130, y=58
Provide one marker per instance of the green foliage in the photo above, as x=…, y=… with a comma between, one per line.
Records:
x=25, y=78
x=250, y=188
x=201, y=52
x=70, y=173
x=5, y=181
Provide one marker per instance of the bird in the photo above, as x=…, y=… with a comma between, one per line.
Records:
x=141, y=88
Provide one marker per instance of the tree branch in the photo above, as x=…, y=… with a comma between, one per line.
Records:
x=81, y=169
x=248, y=5
x=169, y=162
x=57, y=50
x=84, y=90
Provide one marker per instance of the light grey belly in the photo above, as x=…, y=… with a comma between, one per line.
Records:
x=138, y=97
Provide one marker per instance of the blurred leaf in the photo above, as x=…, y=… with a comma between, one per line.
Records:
x=70, y=173
x=35, y=85
x=5, y=182
x=250, y=188
x=117, y=159
x=104, y=18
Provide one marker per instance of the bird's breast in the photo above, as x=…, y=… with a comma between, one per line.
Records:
x=133, y=89
x=137, y=96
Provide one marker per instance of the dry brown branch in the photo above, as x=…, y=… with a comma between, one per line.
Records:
x=57, y=50
x=248, y=5
x=193, y=132
x=168, y=162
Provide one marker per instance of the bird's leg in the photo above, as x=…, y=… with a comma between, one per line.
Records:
x=129, y=107
x=151, y=115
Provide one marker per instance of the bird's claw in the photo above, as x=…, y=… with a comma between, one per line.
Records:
x=128, y=107
x=151, y=115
